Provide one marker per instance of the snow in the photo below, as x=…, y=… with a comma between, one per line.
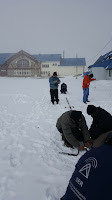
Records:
x=31, y=167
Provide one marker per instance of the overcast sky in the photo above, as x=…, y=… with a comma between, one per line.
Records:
x=77, y=27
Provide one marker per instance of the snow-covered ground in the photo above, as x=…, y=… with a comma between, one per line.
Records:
x=31, y=167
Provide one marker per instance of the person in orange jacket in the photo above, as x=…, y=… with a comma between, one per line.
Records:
x=86, y=82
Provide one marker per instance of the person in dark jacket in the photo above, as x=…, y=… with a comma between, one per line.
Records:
x=92, y=178
x=102, y=123
x=54, y=82
x=72, y=126
x=63, y=88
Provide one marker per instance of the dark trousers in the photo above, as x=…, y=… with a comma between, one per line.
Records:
x=76, y=132
x=54, y=95
x=63, y=90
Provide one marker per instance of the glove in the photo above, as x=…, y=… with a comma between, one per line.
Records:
x=81, y=147
x=88, y=143
x=56, y=84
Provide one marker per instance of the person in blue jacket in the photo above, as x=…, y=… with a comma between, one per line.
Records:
x=54, y=82
x=92, y=178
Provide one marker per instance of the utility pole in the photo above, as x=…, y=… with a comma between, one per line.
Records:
x=76, y=66
x=63, y=57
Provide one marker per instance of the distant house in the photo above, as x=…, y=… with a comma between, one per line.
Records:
x=72, y=66
x=102, y=68
x=22, y=64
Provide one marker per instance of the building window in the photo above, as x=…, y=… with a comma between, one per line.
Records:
x=45, y=65
x=22, y=72
x=54, y=64
x=23, y=63
x=45, y=73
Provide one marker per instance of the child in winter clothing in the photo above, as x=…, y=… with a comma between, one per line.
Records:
x=63, y=88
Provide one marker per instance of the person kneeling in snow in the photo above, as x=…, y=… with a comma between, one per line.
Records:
x=102, y=123
x=63, y=88
x=73, y=128
x=92, y=178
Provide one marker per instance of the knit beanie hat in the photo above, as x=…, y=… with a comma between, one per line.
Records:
x=91, y=75
x=55, y=74
x=76, y=115
x=91, y=109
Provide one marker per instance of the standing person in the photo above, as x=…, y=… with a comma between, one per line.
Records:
x=102, y=123
x=54, y=81
x=73, y=128
x=92, y=177
x=86, y=83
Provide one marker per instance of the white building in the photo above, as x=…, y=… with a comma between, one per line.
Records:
x=22, y=64
x=102, y=68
